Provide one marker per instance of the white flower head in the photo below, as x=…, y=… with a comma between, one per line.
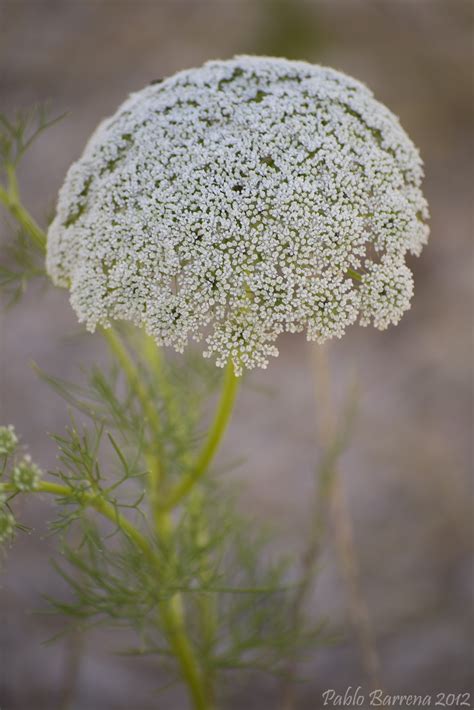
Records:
x=237, y=201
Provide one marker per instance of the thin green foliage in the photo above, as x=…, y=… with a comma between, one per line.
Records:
x=215, y=552
x=19, y=133
x=23, y=243
x=217, y=556
x=199, y=584
x=20, y=264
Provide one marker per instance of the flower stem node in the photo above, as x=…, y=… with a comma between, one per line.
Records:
x=238, y=201
x=26, y=475
x=8, y=440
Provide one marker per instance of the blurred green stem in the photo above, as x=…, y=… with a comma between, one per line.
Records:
x=96, y=501
x=170, y=609
x=213, y=439
x=155, y=471
x=10, y=197
x=342, y=523
x=200, y=683
x=133, y=376
x=336, y=438
x=172, y=612
x=207, y=610
x=173, y=615
x=207, y=598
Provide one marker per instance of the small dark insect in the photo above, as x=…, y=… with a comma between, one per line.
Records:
x=156, y=81
x=238, y=188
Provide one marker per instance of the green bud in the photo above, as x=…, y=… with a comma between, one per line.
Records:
x=26, y=475
x=8, y=440
x=7, y=525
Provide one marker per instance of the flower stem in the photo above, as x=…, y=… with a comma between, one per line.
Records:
x=199, y=683
x=207, y=599
x=173, y=616
x=133, y=376
x=155, y=471
x=171, y=610
x=11, y=200
x=343, y=528
x=211, y=444
x=94, y=500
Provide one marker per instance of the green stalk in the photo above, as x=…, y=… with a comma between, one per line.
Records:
x=165, y=523
x=207, y=599
x=11, y=200
x=158, y=368
x=214, y=437
x=29, y=224
x=133, y=376
x=171, y=610
x=94, y=500
x=172, y=613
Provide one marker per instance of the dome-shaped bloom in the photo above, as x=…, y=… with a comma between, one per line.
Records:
x=240, y=200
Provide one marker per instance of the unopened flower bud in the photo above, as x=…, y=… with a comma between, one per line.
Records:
x=7, y=524
x=26, y=475
x=8, y=440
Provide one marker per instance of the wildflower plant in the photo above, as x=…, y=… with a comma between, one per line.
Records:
x=226, y=204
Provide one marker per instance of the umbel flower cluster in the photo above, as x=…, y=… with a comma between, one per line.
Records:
x=8, y=440
x=237, y=201
x=26, y=475
x=22, y=475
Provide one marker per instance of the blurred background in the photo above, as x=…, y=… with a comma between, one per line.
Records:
x=406, y=474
